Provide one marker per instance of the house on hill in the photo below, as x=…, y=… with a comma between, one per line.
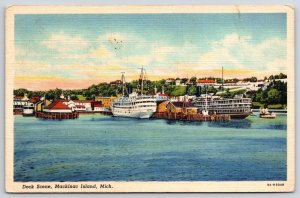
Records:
x=116, y=82
x=170, y=81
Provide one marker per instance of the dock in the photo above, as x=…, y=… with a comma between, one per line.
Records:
x=18, y=111
x=272, y=110
x=56, y=116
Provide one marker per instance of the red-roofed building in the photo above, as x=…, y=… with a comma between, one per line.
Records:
x=98, y=106
x=86, y=103
x=58, y=106
x=202, y=82
x=80, y=107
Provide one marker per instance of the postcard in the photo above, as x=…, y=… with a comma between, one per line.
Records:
x=108, y=99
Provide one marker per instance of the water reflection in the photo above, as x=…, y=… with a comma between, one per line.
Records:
x=183, y=123
x=244, y=124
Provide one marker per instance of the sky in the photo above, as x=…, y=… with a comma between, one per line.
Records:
x=74, y=51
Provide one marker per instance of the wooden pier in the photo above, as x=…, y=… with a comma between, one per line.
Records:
x=18, y=111
x=96, y=112
x=192, y=117
x=56, y=116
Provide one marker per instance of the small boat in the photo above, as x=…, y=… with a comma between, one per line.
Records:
x=264, y=113
x=28, y=110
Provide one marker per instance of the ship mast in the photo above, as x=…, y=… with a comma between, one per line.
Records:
x=123, y=83
x=206, y=100
x=142, y=78
x=222, y=80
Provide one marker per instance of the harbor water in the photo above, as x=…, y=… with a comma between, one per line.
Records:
x=104, y=148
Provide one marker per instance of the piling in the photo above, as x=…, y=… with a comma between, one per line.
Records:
x=56, y=116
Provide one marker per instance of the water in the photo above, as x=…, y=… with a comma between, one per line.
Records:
x=104, y=148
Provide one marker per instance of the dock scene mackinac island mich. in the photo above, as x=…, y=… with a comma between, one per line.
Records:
x=150, y=97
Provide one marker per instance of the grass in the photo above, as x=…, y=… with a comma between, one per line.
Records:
x=257, y=105
x=81, y=97
x=276, y=106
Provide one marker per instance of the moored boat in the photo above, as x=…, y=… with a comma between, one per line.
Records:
x=264, y=113
x=28, y=110
x=134, y=105
x=237, y=107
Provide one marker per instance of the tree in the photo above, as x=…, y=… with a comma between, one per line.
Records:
x=20, y=92
x=193, y=80
x=178, y=91
x=74, y=97
x=273, y=96
x=192, y=90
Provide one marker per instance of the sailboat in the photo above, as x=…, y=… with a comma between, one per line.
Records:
x=134, y=105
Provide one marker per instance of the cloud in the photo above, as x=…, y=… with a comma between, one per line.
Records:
x=62, y=42
x=101, y=52
x=240, y=52
x=137, y=60
x=78, y=60
x=277, y=64
x=29, y=67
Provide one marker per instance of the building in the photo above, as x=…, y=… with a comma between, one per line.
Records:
x=189, y=109
x=106, y=101
x=174, y=107
x=182, y=98
x=181, y=107
x=160, y=97
x=177, y=82
x=162, y=107
x=39, y=106
x=59, y=106
x=59, y=109
x=98, y=107
x=204, y=82
x=255, y=86
x=83, y=105
x=170, y=81
x=116, y=82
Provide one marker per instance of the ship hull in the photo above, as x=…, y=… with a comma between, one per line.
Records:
x=143, y=114
x=28, y=112
x=239, y=116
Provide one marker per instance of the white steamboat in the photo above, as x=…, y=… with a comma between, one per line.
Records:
x=134, y=105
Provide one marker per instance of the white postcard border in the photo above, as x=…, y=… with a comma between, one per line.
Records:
x=190, y=186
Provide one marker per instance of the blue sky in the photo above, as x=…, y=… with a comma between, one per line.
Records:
x=93, y=48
